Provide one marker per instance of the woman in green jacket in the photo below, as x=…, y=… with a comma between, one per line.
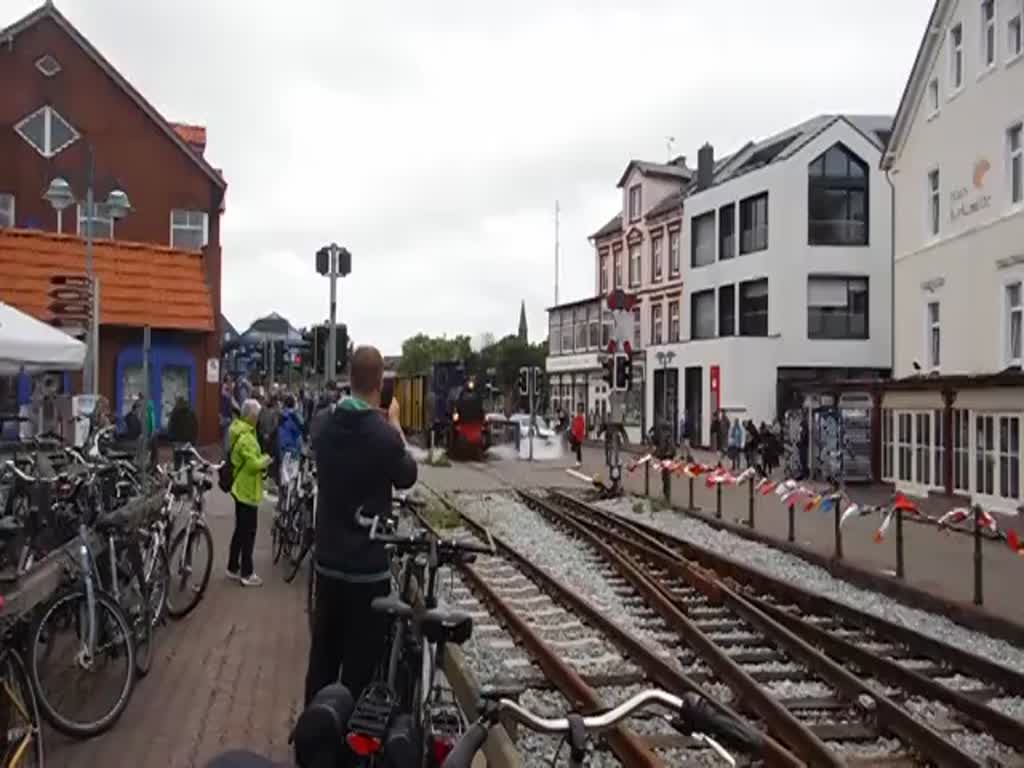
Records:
x=247, y=465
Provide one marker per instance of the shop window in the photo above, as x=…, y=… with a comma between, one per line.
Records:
x=132, y=385
x=173, y=385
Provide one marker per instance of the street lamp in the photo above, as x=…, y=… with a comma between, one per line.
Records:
x=60, y=196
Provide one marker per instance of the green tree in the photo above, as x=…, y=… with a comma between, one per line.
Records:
x=419, y=352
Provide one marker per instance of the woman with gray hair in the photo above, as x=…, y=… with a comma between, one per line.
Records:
x=247, y=464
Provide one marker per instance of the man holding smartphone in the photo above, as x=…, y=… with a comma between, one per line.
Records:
x=360, y=455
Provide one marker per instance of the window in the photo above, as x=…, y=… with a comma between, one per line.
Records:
x=617, y=267
x=922, y=448
x=887, y=465
x=933, y=202
x=1015, y=32
x=673, y=253
x=727, y=310
x=48, y=66
x=754, y=223
x=933, y=96
x=637, y=337
x=956, y=56
x=938, y=449
x=554, y=333
x=988, y=33
x=567, y=335
x=997, y=455
x=837, y=307
x=102, y=222
x=837, y=208
x=1014, y=312
x=726, y=231
x=1016, y=174
x=47, y=131
x=634, y=202
x=904, y=446
x=1009, y=457
x=6, y=209
x=985, y=454
x=656, y=327
x=933, y=334
x=961, y=450
x=580, y=326
x=656, y=258
x=754, y=308
x=602, y=278
x=673, y=321
x=188, y=230
x=634, y=264
x=606, y=328
x=703, y=236
x=702, y=314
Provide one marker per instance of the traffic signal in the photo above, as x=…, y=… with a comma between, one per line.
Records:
x=524, y=381
x=538, y=380
x=340, y=347
x=623, y=372
x=608, y=364
x=279, y=358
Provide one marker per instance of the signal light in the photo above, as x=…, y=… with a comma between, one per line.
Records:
x=608, y=364
x=611, y=346
x=627, y=347
x=363, y=745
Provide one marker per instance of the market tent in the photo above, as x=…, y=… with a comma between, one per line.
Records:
x=26, y=343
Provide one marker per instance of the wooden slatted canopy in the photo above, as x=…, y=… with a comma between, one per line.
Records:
x=140, y=284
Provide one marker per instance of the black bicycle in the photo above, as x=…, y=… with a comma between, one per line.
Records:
x=191, y=554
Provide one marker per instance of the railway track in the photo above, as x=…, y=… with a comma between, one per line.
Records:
x=868, y=691
x=567, y=651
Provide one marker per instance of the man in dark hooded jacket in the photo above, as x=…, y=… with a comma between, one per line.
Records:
x=360, y=456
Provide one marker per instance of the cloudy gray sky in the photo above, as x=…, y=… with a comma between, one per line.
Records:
x=432, y=138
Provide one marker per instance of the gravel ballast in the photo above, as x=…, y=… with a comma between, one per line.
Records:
x=798, y=572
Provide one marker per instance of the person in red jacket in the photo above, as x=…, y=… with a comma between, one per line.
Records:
x=577, y=431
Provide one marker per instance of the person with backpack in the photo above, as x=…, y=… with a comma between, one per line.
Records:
x=247, y=463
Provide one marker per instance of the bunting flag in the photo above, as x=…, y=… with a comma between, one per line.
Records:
x=954, y=516
x=880, y=533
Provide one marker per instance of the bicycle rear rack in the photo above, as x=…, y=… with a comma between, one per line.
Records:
x=372, y=712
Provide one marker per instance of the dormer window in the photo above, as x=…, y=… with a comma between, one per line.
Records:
x=634, y=203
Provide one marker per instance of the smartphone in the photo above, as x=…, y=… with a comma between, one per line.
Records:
x=387, y=393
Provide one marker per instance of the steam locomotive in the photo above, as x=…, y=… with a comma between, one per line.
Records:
x=447, y=404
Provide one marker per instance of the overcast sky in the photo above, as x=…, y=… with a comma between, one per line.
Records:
x=433, y=138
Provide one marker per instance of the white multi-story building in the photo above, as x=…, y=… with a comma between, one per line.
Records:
x=787, y=270
x=640, y=250
x=953, y=419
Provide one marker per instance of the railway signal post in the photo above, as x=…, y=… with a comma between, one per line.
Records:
x=530, y=378
x=618, y=367
x=334, y=261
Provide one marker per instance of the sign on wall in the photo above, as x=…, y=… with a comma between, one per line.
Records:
x=968, y=200
x=213, y=371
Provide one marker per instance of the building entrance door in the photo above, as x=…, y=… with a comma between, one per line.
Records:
x=694, y=394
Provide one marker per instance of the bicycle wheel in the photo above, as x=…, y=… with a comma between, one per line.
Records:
x=19, y=710
x=190, y=566
x=297, y=562
x=277, y=531
x=159, y=583
x=101, y=683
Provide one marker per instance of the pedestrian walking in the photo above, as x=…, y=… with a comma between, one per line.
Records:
x=735, y=442
x=577, y=432
x=247, y=464
x=752, y=445
x=685, y=450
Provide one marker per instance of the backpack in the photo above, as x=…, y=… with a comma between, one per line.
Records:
x=226, y=473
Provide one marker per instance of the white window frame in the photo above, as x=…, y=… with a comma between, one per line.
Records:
x=674, y=265
x=634, y=253
x=1007, y=316
x=1012, y=156
x=932, y=327
x=7, y=210
x=888, y=446
x=97, y=215
x=987, y=28
x=934, y=99
x=617, y=281
x=189, y=227
x=602, y=278
x=923, y=457
x=48, y=150
x=962, y=456
x=657, y=258
x=956, y=54
x=1014, y=49
x=933, y=194
x=635, y=205
x=657, y=324
x=996, y=500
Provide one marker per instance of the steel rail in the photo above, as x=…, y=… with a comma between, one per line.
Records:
x=889, y=714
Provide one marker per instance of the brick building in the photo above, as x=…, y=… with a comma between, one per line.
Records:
x=64, y=108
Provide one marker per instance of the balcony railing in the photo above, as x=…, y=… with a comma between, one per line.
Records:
x=837, y=232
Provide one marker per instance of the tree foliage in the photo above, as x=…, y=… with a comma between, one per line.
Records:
x=419, y=352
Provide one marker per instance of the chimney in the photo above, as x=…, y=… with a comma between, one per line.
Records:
x=705, y=166
x=679, y=161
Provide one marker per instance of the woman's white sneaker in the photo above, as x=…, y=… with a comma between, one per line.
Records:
x=252, y=580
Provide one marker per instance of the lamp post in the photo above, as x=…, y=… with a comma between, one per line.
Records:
x=60, y=196
x=334, y=261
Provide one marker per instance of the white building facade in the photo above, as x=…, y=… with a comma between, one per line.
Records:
x=787, y=270
x=953, y=421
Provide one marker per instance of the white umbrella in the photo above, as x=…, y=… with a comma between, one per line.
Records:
x=26, y=343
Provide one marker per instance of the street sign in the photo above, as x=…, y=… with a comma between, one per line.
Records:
x=70, y=303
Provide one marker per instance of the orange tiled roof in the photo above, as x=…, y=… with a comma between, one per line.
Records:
x=140, y=284
x=193, y=135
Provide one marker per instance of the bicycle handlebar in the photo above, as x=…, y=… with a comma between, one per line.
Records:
x=693, y=714
x=191, y=450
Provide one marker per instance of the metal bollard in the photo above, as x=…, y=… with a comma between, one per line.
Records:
x=690, y=484
x=718, y=500
x=979, y=597
x=791, y=537
x=666, y=486
x=899, y=544
x=750, y=503
x=838, y=512
x=647, y=478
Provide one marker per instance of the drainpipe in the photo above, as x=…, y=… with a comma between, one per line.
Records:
x=892, y=274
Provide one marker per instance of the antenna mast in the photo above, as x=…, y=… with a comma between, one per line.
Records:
x=556, y=252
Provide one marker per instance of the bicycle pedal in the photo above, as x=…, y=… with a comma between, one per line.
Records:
x=372, y=712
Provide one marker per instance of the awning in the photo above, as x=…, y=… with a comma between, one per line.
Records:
x=26, y=343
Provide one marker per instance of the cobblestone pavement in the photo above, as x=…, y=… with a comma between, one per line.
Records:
x=230, y=675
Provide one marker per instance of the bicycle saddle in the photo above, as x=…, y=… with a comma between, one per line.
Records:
x=448, y=626
x=392, y=606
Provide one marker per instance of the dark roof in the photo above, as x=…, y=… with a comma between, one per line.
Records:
x=614, y=225
x=228, y=328
x=675, y=170
x=48, y=11
x=929, y=41
x=667, y=204
x=577, y=303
